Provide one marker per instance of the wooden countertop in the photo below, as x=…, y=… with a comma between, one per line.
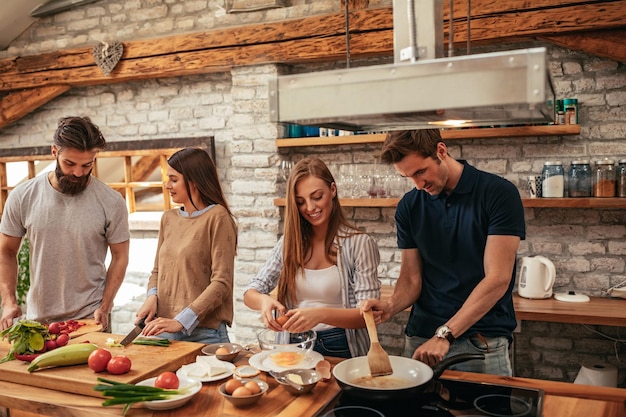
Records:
x=561, y=400
x=599, y=310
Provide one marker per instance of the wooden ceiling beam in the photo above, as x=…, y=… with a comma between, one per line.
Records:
x=609, y=44
x=596, y=27
x=18, y=104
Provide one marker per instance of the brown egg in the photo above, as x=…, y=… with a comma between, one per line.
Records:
x=232, y=385
x=282, y=320
x=221, y=351
x=253, y=387
x=241, y=392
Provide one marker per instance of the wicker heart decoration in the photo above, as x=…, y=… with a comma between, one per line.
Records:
x=107, y=56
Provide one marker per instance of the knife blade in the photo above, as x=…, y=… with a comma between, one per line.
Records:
x=134, y=333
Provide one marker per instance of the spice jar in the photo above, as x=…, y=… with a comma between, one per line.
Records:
x=621, y=178
x=553, y=179
x=604, y=178
x=579, y=180
x=570, y=106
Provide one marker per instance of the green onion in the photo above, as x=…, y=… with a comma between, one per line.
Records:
x=152, y=342
x=130, y=394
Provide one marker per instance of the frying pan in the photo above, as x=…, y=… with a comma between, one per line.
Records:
x=410, y=377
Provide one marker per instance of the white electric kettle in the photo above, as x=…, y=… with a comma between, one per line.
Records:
x=537, y=277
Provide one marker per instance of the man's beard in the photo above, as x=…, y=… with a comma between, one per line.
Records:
x=70, y=184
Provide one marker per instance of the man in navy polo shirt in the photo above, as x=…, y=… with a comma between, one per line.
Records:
x=459, y=231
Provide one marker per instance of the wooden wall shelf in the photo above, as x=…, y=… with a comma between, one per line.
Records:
x=592, y=203
x=474, y=133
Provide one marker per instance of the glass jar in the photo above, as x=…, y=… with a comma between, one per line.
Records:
x=621, y=178
x=552, y=179
x=604, y=178
x=579, y=180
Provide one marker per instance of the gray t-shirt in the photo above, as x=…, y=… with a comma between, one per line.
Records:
x=69, y=237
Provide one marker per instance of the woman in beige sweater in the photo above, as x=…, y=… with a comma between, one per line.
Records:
x=190, y=290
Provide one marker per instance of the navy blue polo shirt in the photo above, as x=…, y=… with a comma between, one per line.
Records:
x=450, y=232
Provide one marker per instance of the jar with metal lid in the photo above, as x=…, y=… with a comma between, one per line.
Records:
x=604, y=178
x=579, y=179
x=621, y=178
x=552, y=179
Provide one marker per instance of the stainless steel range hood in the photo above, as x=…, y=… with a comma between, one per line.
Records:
x=511, y=87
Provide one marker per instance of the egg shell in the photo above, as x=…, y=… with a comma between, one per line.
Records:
x=241, y=392
x=232, y=385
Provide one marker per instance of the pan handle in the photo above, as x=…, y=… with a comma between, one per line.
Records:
x=446, y=363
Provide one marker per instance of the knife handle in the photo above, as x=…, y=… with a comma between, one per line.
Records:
x=142, y=323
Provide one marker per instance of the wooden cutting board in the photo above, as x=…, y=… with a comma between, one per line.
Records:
x=147, y=362
x=90, y=326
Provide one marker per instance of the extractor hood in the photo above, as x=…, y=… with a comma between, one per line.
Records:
x=423, y=90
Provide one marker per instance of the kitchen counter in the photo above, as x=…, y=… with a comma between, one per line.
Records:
x=599, y=310
x=561, y=400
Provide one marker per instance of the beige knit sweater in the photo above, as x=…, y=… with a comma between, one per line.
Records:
x=194, y=266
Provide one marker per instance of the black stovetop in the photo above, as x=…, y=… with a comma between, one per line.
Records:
x=443, y=398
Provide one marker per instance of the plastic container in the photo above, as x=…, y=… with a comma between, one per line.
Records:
x=552, y=179
x=621, y=178
x=604, y=178
x=579, y=179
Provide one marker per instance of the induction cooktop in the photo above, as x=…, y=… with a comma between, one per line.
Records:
x=445, y=398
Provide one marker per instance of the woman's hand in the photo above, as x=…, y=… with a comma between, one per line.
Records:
x=268, y=306
x=160, y=325
x=302, y=319
x=148, y=310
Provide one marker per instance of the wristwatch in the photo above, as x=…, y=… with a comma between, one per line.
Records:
x=444, y=332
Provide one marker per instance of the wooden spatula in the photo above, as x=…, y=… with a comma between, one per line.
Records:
x=377, y=358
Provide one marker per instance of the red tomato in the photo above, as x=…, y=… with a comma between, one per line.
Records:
x=99, y=359
x=118, y=365
x=62, y=339
x=54, y=328
x=51, y=344
x=167, y=380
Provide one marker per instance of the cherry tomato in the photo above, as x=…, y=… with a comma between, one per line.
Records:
x=54, y=328
x=51, y=344
x=118, y=365
x=62, y=339
x=99, y=359
x=167, y=380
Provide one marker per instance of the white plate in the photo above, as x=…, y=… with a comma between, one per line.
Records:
x=181, y=373
x=175, y=400
x=263, y=362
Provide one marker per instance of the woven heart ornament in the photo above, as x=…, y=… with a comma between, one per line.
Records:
x=107, y=56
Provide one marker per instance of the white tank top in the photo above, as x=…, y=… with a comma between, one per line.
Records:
x=319, y=288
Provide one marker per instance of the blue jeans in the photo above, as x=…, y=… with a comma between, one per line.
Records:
x=497, y=360
x=201, y=335
x=332, y=342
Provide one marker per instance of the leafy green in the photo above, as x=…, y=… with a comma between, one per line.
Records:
x=25, y=336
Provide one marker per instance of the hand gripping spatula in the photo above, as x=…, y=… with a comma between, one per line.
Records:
x=377, y=358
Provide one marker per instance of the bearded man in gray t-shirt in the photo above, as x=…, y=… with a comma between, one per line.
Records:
x=71, y=220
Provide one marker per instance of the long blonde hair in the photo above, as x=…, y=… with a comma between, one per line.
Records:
x=298, y=232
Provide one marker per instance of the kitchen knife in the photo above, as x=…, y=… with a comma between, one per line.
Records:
x=134, y=333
